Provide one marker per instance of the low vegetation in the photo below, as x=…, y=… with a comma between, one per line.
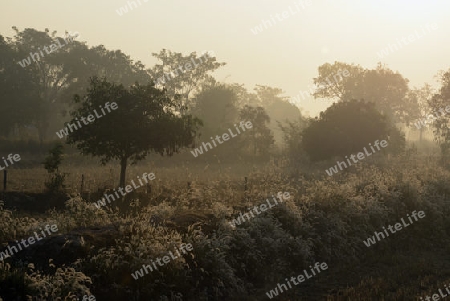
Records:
x=325, y=220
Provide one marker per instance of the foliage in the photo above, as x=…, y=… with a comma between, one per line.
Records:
x=143, y=121
x=47, y=74
x=40, y=93
x=188, y=80
x=277, y=108
x=325, y=220
x=244, y=96
x=51, y=164
x=385, y=88
x=439, y=101
x=13, y=227
x=77, y=213
x=19, y=101
x=346, y=128
x=292, y=138
x=54, y=159
x=259, y=138
x=217, y=108
x=65, y=284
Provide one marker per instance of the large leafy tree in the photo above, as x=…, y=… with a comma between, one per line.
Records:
x=382, y=86
x=183, y=75
x=82, y=62
x=217, y=108
x=419, y=107
x=292, y=138
x=48, y=72
x=244, y=97
x=18, y=99
x=260, y=137
x=113, y=65
x=268, y=95
x=346, y=128
x=333, y=83
x=65, y=72
x=143, y=122
x=278, y=109
x=441, y=121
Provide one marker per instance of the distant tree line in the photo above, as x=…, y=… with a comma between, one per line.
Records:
x=368, y=104
x=167, y=116
x=58, y=89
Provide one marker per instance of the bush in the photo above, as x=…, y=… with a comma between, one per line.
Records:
x=55, y=185
x=346, y=128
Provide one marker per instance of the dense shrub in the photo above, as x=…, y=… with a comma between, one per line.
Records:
x=346, y=128
x=326, y=219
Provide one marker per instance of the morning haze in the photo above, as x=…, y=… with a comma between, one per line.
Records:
x=224, y=150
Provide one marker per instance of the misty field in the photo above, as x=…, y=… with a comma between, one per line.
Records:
x=326, y=219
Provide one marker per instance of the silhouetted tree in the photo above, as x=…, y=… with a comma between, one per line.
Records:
x=244, y=97
x=60, y=67
x=382, y=86
x=51, y=163
x=278, y=109
x=347, y=127
x=217, y=108
x=441, y=121
x=292, y=138
x=142, y=122
x=19, y=93
x=260, y=137
x=113, y=65
x=419, y=108
x=44, y=55
x=182, y=75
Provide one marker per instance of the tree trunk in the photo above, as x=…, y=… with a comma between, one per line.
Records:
x=420, y=135
x=123, y=169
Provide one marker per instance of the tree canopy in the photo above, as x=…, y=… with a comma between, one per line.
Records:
x=346, y=128
x=385, y=88
x=217, y=107
x=19, y=100
x=183, y=75
x=142, y=122
x=441, y=122
x=260, y=138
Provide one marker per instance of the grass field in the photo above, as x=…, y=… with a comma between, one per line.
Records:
x=325, y=220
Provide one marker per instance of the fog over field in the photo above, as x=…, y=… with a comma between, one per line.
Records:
x=225, y=150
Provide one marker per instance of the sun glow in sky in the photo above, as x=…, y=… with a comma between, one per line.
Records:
x=285, y=55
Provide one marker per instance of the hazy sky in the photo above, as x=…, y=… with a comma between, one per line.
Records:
x=284, y=55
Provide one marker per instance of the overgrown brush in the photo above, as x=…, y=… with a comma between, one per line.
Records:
x=326, y=219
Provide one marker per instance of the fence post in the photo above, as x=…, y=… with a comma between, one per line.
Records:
x=82, y=184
